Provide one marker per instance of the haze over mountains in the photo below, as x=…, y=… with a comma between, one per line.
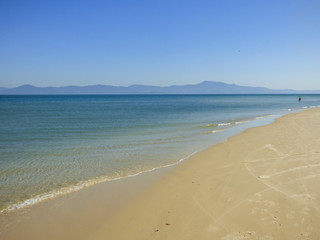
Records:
x=206, y=87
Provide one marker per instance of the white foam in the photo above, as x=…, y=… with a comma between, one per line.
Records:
x=218, y=130
x=224, y=124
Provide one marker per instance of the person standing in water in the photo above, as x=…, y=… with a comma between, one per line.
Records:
x=299, y=98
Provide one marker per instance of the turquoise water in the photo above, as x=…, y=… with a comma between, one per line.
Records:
x=52, y=145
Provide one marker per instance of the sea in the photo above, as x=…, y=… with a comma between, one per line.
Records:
x=52, y=145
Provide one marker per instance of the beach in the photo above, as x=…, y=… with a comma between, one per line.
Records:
x=260, y=184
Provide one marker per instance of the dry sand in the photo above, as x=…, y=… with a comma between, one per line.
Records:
x=260, y=184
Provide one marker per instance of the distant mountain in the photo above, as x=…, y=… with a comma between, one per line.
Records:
x=205, y=87
x=2, y=89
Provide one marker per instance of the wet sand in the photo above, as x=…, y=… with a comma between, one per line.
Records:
x=76, y=215
x=260, y=184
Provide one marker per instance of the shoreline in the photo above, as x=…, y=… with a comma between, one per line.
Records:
x=88, y=208
x=38, y=199
x=260, y=184
x=81, y=186
x=138, y=206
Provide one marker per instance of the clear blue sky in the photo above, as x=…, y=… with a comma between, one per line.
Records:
x=270, y=43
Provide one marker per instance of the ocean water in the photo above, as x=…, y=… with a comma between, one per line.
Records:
x=53, y=145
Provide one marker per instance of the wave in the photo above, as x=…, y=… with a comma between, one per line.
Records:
x=214, y=125
x=82, y=185
x=227, y=123
x=218, y=130
x=302, y=108
x=224, y=124
x=230, y=123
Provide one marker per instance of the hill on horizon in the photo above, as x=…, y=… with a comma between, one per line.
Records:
x=206, y=87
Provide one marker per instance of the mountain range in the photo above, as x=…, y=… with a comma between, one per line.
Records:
x=206, y=87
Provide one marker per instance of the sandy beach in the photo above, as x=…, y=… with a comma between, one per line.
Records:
x=260, y=184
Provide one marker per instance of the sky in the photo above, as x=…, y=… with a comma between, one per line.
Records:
x=267, y=43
